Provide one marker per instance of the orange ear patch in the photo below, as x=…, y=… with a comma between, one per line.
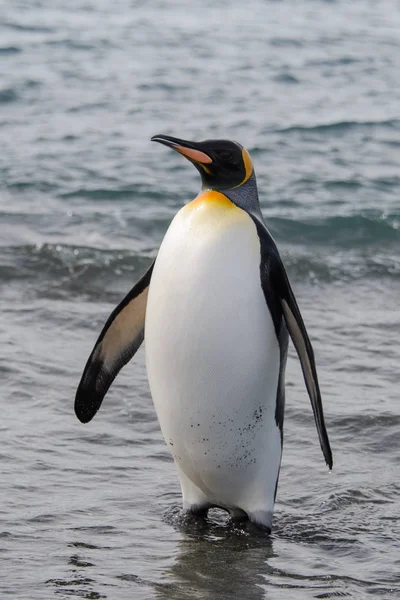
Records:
x=196, y=155
x=248, y=165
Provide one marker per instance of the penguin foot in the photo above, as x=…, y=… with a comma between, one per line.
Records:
x=196, y=511
x=238, y=516
x=194, y=518
x=250, y=527
x=257, y=522
x=262, y=519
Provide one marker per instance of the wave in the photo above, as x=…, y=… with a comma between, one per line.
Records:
x=4, y=50
x=28, y=28
x=341, y=267
x=101, y=194
x=349, y=497
x=353, y=231
x=340, y=126
x=8, y=95
x=61, y=270
x=286, y=78
x=15, y=94
x=116, y=193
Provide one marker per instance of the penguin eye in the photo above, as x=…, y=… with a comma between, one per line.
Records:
x=226, y=156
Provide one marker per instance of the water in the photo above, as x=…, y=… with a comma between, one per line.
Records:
x=311, y=89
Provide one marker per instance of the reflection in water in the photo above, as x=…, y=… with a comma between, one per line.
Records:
x=218, y=561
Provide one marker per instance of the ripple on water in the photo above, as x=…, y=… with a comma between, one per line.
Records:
x=339, y=127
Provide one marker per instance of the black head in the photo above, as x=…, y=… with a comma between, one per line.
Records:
x=223, y=165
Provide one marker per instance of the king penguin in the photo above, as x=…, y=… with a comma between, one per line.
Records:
x=215, y=310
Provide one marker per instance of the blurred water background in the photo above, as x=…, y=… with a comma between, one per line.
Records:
x=312, y=90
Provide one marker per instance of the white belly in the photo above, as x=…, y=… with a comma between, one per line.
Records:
x=213, y=357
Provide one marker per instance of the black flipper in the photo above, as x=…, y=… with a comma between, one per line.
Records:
x=118, y=342
x=275, y=283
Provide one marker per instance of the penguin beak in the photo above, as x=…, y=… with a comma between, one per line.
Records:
x=189, y=150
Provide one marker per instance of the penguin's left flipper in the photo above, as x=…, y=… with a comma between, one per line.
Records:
x=119, y=340
x=275, y=283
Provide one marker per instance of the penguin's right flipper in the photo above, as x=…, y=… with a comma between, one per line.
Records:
x=118, y=342
x=298, y=333
x=281, y=300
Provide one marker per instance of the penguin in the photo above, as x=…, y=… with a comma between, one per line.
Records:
x=216, y=310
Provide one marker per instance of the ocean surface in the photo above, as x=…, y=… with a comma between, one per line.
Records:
x=312, y=90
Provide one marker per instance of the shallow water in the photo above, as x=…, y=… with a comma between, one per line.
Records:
x=311, y=89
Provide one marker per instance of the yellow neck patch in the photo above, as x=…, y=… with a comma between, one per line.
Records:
x=211, y=197
x=209, y=214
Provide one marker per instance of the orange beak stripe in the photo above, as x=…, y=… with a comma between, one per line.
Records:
x=195, y=155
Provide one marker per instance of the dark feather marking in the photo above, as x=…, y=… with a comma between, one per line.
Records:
x=280, y=397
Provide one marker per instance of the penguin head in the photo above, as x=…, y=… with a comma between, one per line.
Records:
x=222, y=164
